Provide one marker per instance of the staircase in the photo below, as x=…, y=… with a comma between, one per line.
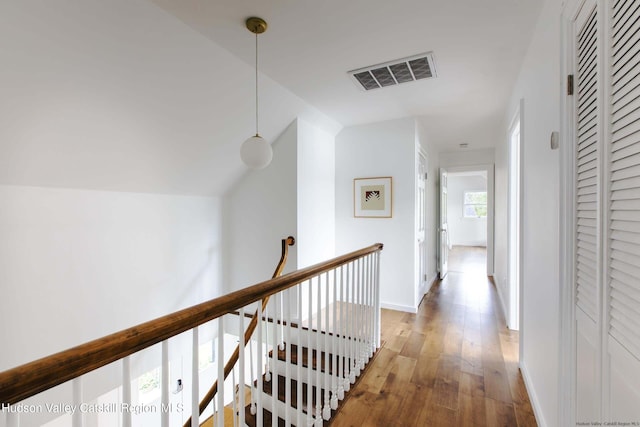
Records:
x=296, y=371
x=319, y=379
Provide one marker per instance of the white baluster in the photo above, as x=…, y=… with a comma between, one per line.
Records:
x=77, y=419
x=351, y=320
x=241, y=365
x=164, y=397
x=299, y=419
x=334, y=344
x=377, y=303
x=126, y=390
x=259, y=366
x=309, y=361
x=221, y=361
x=195, y=379
x=318, y=400
x=369, y=348
x=359, y=317
x=365, y=305
x=254, y=409
x=274, y=357
x=326, y=410
x=287, y=357
x=354, y=322
x=281, y=304
x=342, y=344
x=363, y=313
x=267, y=372
x=372, y=320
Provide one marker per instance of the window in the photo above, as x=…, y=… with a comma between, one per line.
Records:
x=475, y=204
x=149, y=386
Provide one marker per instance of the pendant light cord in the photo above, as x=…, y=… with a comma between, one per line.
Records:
x=257, y=134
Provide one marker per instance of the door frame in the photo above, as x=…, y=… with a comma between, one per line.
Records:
x=489, y=169
x=443, y=254
x=514, y=319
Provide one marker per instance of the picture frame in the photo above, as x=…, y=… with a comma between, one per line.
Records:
x=373, y=197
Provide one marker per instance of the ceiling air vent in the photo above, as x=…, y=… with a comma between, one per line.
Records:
x=391, y=73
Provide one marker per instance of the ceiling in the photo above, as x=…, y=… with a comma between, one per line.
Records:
x=311, y=45
x=156, y=96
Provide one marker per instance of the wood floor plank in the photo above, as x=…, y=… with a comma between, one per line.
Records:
x=499, y=414
x=376, y=375
x=472, y=411
x=413, y=347
x=471, y=384
x=453, y=362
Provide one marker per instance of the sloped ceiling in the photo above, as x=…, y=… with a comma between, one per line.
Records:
x=157, y=95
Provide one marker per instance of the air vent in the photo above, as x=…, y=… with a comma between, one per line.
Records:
x=392, y=73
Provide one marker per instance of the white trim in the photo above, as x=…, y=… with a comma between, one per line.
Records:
x=533, y=398
x=426, y=288
x=514, y=313
x=396, y=307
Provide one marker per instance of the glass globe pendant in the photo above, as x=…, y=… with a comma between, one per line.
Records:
x=256, y=152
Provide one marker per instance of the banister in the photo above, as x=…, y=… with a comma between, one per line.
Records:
x=24, y=381
x=231, y=363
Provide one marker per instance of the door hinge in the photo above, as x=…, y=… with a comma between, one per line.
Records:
x=570, y=84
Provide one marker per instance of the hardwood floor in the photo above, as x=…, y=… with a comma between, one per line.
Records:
x=453, y=363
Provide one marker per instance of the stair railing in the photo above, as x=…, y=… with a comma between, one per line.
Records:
x=336, y=328
x=233, y=360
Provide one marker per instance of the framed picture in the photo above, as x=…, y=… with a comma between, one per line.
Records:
x=372, y=197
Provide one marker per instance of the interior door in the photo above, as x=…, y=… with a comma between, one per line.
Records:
x=587, y=213
x=443, y=259
x=421, y=223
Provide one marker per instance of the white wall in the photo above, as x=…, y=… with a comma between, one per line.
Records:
x=316, y=194
x=485, y=156
x=539, y=84
x=260, y=211
x=376, y=150
x=76, y=265
x=464, y=231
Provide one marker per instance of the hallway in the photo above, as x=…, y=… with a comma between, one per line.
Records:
x=452, y=363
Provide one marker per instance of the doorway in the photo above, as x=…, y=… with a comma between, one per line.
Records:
x=466, y=217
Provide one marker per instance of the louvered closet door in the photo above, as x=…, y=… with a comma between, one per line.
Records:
x=587, y=157
x=624, y=213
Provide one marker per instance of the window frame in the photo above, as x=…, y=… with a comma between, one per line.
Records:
x=465, y=204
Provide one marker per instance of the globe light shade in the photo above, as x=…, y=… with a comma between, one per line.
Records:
x=256, y=152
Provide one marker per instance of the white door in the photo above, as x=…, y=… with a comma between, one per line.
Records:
x=605, y=167
x=587, y=216
x=421, y=222
x=443, y=260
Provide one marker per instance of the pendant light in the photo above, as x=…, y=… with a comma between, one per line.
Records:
x=256, y=152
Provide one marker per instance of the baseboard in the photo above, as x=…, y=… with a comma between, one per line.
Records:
x=533, y=397
x=427, y=284
x=396, y=307
x=505, y=313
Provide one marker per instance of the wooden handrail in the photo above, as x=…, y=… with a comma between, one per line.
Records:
x=231, y=363
x=24, y=381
